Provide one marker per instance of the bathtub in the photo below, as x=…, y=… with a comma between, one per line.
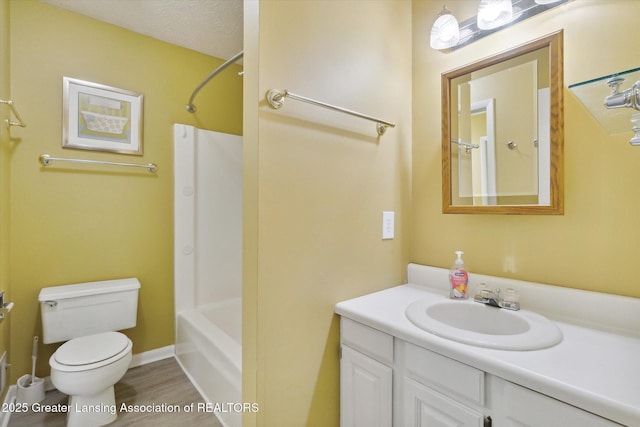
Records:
x=208, y=265
x=209, y=349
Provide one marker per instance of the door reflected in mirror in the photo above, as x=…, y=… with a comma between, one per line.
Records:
x=503, y=132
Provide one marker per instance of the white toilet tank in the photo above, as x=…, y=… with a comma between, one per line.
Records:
x=73, y=311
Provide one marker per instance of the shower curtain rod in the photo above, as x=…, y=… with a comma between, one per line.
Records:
x=192, y=108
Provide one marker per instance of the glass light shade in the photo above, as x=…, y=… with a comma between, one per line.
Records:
x=494, y=13
x=445, y=32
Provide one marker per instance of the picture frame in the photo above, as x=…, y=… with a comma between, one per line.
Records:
x=102, y=118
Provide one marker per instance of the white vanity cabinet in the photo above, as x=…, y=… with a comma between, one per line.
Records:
x=516, y=406
x=366, y=376
x=385, y=381
x=438, y=390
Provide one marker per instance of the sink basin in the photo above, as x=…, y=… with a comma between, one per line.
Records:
x=484, y=326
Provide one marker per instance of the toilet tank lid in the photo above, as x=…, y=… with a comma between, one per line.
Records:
x=87, y=288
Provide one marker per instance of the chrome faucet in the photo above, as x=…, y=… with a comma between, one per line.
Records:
x=489, y=297
x=492, y=297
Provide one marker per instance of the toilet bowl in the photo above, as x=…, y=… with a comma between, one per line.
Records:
x=86, y=369
x=94, y=356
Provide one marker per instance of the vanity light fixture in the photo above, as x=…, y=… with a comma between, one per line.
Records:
x=494, y=13
x=445, y=32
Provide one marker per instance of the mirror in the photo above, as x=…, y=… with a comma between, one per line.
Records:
x=502, y=132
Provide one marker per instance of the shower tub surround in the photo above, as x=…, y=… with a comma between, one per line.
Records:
x=208, y=264
x=209, y=349
x=595, y=366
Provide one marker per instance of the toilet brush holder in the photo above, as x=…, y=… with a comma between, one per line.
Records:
x=29, y=392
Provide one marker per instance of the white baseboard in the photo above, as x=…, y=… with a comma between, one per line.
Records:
x=137, y=360
x=152, y=356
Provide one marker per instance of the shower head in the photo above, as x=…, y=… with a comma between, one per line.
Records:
x=191, y=108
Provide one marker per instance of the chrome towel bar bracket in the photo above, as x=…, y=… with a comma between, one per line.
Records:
x=275, y=98
x=5, y=307
x=46, y=160
x=9, y=122
x=466, y=145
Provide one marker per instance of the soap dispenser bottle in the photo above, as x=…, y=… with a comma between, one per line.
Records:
x=458, y=278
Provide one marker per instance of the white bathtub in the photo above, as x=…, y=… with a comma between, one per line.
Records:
x=209, y=349
x=208, y=264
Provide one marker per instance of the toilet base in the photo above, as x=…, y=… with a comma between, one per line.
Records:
x=97, y=410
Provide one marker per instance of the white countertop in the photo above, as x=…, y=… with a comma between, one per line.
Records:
x=596, y=370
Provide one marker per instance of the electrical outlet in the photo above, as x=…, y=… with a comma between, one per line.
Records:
x=388, y=225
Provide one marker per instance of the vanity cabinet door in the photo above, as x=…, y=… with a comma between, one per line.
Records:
x=366, y=391
x=424, y=407
x=518, y=406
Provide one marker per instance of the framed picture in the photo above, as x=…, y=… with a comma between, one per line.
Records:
x=99, y=117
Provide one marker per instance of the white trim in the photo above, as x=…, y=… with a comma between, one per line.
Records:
x=544, y=147
x=184, y=172
x=152, y=356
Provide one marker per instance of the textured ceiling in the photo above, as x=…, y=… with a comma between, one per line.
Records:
x=213, y=27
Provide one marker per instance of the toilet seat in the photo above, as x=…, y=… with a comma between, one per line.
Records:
x=90, y=352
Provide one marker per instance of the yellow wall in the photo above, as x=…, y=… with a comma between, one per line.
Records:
x=594, y=245
x=72, y=223
x=5, y=145
x=316, y=182
x=320, y=184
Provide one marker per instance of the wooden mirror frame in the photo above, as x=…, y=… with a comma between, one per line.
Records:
x=556, y=132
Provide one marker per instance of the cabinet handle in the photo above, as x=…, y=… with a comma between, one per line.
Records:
x=487, y=422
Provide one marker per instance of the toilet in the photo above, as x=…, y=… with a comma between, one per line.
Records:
x=94, y=356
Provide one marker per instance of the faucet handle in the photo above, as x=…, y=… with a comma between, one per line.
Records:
x=483, y=293
x=482, y=289
x=511, y=299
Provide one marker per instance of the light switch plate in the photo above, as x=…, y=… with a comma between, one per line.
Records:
x=388, y=225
